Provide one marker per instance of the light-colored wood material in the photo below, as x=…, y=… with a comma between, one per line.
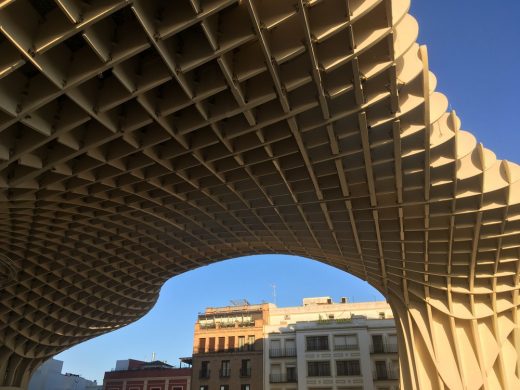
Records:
x=142, y=139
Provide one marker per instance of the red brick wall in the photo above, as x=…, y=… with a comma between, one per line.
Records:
x=167, y=379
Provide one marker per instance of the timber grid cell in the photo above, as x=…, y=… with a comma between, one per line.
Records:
x=142, y=139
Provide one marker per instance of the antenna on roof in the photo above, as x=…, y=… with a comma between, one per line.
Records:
x=274, y=293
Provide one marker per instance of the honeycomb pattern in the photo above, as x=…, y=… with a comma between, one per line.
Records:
x=142, y=139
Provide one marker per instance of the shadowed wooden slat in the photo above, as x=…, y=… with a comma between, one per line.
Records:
x=142, y=139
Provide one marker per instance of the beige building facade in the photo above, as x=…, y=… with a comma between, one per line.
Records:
x=331, y=346
x=228, y=348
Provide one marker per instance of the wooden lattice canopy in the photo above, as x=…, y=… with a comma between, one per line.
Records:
x=141, y=139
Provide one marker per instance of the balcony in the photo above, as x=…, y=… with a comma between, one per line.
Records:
x=346, y=347
x=383, y=348
x=204, y=374
x=218, y=325
x=245, y=372
x=245, y=348
x=224, y=372
x=282, y=352
x=283, y=378
x=384, y=374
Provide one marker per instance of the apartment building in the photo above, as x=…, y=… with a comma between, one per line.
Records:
x=49, y=376
x=228, y=348
x=323, y=345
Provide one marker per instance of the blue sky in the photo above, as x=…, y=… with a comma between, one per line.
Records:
x=167, y=329
x=474, y=52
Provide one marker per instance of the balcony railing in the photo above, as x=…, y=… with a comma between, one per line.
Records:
x=282, y=352
x=346, y=347
x=224, y=372
x=245, y=348
x=283, y=378
x=216, y=325
x=204, y=374
x=245, y=372
x=383, y=348
x=386, y=375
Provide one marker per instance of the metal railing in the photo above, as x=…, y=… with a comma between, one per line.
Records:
x=204, y=373
x=319, y=347
x=282, y=352
x=245, y=348
x=216, y=325
x=383, y=348
x=283, y=378
x=346, y=347
x=225, y=372
x=386, y=374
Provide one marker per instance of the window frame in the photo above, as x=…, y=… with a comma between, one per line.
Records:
x=320, y=372
x=318, y=346
x=346, y=346
x=348, y=370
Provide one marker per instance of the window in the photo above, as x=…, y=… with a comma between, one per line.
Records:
x=317, y=343
x=205, y=387
x=291, y=374
x=381, y=371
x=178, y=388
x=320, y=368
x=224, y=369
x=231, y=342
x=221, y=343
x=391, y=344
x=245, y=387
x=348, y=367
x=224, y=387
x=241, y=342
x=202, y=345
x=377, y=343
x=251, y=343
x=345, y=342
x=245, y=368
x=211, y=344
x=275, y=374
x=290, y=347
x=275, y=348
x=204, y=370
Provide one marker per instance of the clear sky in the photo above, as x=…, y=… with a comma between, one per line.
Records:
x=474, y=51
x=167, y=329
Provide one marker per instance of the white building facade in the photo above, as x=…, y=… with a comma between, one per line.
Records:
x=49, y=377
x=324, y=345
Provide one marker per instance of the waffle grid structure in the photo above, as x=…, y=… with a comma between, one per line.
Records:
x=141, y=139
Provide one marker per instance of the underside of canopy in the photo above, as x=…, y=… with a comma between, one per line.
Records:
x=142, y=139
